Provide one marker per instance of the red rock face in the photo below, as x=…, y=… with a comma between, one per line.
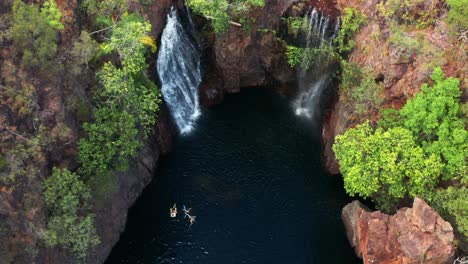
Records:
x=412, y=235
x=402, y=72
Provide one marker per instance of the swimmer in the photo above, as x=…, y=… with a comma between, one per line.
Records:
x=192, y=219
x=186, y=211
x=173, y=211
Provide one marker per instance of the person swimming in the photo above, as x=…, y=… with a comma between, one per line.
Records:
x=173, y=211
x=186, y=211
x=192, y=219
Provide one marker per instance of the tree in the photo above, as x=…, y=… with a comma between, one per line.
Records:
x=52, y=14
x=434, y=117
x=34, y=33
x=458, y=11
x=385, y=165
x=111, y=141
x=222, y=12
x=70, y=224
x=452, y=204
x=84, y=50
x=129, y=102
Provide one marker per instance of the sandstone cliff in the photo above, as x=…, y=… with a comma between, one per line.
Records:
x=412, y=235
x=401, y=67
x=54, y=106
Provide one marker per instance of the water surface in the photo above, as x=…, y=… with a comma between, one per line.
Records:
x=251, y=173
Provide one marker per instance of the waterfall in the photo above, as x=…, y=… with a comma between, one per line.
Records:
x=179, y=71
x=313, y=81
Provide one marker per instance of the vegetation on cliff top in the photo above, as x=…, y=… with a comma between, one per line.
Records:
x=411, y=151
x=126, y=101
x=224, y=12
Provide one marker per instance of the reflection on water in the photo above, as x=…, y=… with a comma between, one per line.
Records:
x=251, y=174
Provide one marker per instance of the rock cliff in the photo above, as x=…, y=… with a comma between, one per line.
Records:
x=401, y=65
x=59, y=102
x=412, y=235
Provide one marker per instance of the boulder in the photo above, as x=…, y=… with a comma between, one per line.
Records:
x=412, y=235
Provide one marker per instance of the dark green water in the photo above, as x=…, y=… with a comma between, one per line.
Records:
x=251, y=172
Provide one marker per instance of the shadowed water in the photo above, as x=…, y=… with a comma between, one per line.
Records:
x=251, y=172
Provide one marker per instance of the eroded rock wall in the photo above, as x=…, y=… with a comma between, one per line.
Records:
x=412, y=235
x=401, y=70
x=60, y=102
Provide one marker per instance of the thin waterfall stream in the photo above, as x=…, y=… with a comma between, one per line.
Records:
x=179, y=71
x=315, y=73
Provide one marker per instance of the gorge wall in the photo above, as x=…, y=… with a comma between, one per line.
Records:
x=400, y=68
x=232, y=60
x=60, y=102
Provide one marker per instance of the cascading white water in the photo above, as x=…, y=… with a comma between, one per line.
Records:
x=312, y=81
x=179, y=71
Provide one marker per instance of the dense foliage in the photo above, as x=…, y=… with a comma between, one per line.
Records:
x=34, y=33
x=385, y=165
x=351, y=22
x=434, y=117
x=111, y=141
x=457, y=15
x=418, y=13
x=128, y=105
x=221, y=12
x=411, y=152
x=70, y=225
x=452, y=204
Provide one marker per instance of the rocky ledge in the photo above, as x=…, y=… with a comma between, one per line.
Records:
x=412, y=235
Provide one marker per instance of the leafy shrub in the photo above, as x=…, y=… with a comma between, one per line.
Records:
x=129, y=104
x=105, y=12
x=401, y=39
x=70, y=224
x=221, y=12
x=351, y=22
x=24, y=160
x=385, y=165
x=457, y=15
x=295, y=24
x=452, y=204
x=53, y=15
x=34, y=33
x=84, y=50
x=111, y=141
x=435, y=118
x=418, y=146
x=420, y=13
x=294, y=55
x=367, y=94
x=359, y=85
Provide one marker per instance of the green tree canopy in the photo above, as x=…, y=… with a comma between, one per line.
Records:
x=435, y=118
x=222, y=11
x=70, y=224
x=34, y=33
x=112, y=139
x=385, y=165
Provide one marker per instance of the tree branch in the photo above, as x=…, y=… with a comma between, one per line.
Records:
x=230, y=21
